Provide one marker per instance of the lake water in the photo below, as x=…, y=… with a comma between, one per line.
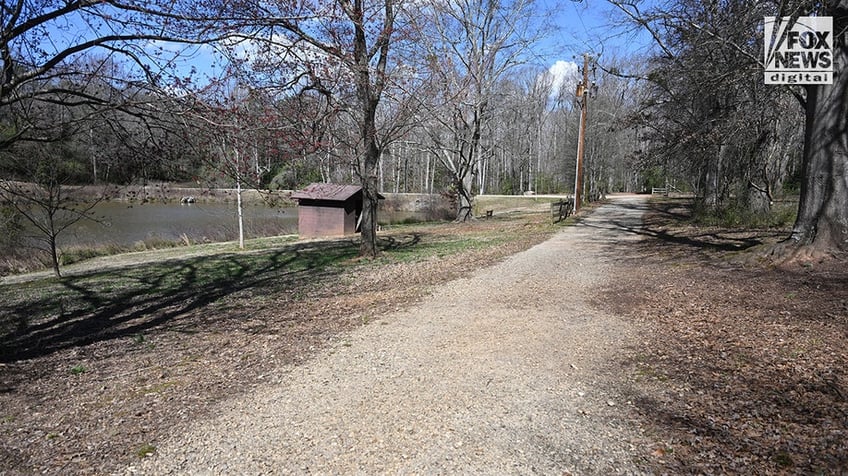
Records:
x=126, y=224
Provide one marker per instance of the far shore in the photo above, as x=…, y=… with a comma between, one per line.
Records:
x=162, y=192
x=170, y=193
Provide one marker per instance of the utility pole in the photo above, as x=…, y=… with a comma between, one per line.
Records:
x=583, y=94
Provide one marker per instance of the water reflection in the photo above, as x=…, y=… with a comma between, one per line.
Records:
x=123, y=223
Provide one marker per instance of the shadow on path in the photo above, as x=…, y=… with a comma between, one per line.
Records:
x=611, y=222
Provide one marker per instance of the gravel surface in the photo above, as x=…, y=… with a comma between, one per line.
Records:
x=509, y=370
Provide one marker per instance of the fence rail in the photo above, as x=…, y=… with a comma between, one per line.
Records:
x=561, y=209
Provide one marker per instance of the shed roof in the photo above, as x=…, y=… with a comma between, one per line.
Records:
x=328, y=191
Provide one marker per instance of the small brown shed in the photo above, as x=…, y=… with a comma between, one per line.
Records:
x=326, y=209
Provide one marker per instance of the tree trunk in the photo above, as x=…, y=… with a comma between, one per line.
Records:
x=464, y=208
x=368, y=230
x=370, y=190
x=369, y=98
x=239, y=207
x=758, y=199
x=712, y=180
x=370, y=168
x=822, y=223
x=54, y=256
x=240, y=212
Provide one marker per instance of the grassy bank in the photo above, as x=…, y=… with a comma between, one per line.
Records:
x=23, y=254
x=29, y=259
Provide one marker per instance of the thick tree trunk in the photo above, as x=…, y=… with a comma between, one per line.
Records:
x=370, y=186
x=712, y=180
x=758, y=199
x=368, y=226
x=369, y=98
x=469, y=157
x=370, y=165
x=822, y=223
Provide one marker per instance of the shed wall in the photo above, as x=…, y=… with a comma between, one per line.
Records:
x=316, y=221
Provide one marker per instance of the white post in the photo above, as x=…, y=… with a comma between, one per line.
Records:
x=238, y=201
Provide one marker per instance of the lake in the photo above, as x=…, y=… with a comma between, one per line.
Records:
x=125, y=223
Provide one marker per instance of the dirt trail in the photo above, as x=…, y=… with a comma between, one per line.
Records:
x=507, y=371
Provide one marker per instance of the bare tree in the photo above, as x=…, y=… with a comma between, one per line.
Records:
x=241, y=134
x=611, y=138
x=68, y=68
x=341, y=49
x=46, y=201
x=471, y=45
x=720, y=38
x=47, y=45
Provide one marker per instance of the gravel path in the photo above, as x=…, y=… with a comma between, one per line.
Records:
x=508, y=371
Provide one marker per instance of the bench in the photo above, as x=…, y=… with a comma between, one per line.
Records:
x=659, y=191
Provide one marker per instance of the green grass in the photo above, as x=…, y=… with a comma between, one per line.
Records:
x=128, y=301
x=499, y=203
x=781, y=215
x=76, y=254
x=440, y=246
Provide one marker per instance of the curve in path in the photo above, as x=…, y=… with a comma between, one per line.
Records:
x=507, y=371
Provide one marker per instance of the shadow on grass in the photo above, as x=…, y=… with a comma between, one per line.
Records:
x=44, y=317
x=400, y=242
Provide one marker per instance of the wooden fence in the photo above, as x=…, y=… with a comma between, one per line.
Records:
x=561, y=209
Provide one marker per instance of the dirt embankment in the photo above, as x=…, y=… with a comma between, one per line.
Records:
x=171, y=193
x=439, y=206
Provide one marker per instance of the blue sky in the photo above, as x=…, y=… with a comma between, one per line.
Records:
x=589, y=26
x=577, y=27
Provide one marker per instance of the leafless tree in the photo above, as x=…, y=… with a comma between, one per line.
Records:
x=73, y=72
x=339, y=48
x=471, y=45
x=46, y=202
x=714, y=48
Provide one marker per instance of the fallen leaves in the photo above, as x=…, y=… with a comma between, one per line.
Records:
x=744, y=368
